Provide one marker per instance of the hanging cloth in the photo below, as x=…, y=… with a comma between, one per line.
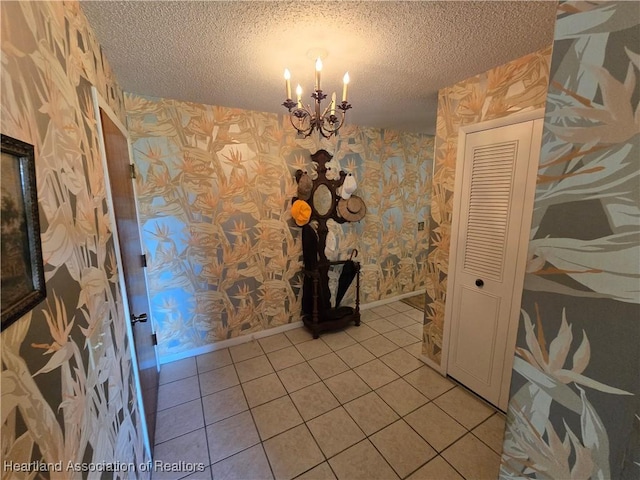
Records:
x=310, y=259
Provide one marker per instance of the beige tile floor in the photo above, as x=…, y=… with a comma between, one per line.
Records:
x=354, y=404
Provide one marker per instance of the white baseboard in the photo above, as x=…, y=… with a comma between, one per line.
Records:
x=273, y=331
x=231, y=342
x=384, y=301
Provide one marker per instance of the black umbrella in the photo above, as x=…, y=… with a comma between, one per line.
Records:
x=349, y=271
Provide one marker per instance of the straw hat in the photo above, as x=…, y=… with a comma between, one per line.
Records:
x=352, y=210
x=301, y=212
x=305, y=184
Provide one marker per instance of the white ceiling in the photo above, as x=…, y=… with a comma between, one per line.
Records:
x=233, y=53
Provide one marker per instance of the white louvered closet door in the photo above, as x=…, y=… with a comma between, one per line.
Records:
x=490, y=249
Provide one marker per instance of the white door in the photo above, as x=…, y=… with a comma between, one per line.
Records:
x=493, y=219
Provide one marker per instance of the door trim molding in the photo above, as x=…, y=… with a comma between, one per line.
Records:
x=463, y=131
x=100, y=103
x=525, y=233
x=520, y=117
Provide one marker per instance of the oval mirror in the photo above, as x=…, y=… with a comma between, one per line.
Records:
x=322, y=200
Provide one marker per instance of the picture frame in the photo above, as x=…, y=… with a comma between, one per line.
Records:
x=22, y=270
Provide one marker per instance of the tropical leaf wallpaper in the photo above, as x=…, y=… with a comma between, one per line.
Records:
x=511, y=88
x=214, y=190
x=68, y=391
x=574, y=411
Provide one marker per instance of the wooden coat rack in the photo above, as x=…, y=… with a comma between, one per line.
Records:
x=324, y=201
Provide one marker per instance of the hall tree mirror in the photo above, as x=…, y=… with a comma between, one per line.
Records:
x=321, y=309
x=322, y=199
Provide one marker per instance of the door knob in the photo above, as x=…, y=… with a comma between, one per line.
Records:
x=138, y=318
x=479, y=283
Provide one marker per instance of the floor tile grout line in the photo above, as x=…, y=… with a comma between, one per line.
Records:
x=429, y=443
x=260, y=441
x=391, y=407
x=484, y=443
x=366, y=437
x=304, y=422
x=431, y=460
x=340, y=404
x=177, y=404
x=437, y=453
x=402, y=417
x=198, y=372
x=317, y=356
x=315, y=466
x=176, y=437
x=204, y=427
x=253, y=419
x=181, y=378
x=380, y=429
x=206, y=435
x=452, y=466
x=474, y=395
x=231, y=416
x=380, y=453
x=425, y=463
x=267, y=457
x=454, y=419
x=276, y=349
x=329, y=388
x=476, y=435
x=467, y=430
x=155, y=443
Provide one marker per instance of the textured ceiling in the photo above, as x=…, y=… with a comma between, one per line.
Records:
x=398, y=54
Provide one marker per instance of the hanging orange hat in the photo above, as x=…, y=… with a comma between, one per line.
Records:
x=301, y=212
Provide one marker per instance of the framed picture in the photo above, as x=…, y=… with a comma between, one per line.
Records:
x=22, y=272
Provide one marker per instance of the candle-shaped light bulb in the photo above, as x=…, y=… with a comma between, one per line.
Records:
x=299, y=94
x=318, y=70
x=287, y=82
x=333, y=103
x=345, y=80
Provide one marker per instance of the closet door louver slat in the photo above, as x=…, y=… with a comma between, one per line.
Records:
x=490, y=195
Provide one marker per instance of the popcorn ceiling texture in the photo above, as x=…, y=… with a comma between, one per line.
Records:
x=398, y=54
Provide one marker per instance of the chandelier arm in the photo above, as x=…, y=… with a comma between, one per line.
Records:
x=300, y=114
x=343, y=116
x=314, y=116
x=325, y=111
x=327, y=132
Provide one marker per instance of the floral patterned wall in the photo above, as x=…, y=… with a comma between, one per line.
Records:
x=511, y=88
x=68, y=391
x=214, y=191
x=575, y=395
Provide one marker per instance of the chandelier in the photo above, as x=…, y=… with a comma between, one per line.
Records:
x=306, y=119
